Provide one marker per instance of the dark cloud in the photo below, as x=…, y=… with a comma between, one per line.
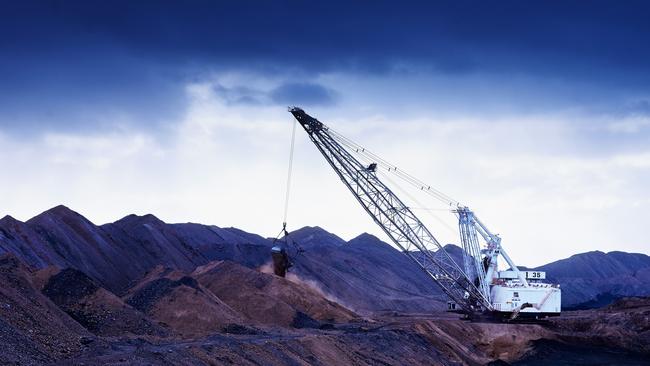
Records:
x=83, y=90
x=367, y=36
x=306, y=94
x=239, y=95
x=640, y=107
x=59, y=57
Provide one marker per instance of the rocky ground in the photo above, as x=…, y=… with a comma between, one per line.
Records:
x=224, y=314
x=387, y=340
x=142, y=292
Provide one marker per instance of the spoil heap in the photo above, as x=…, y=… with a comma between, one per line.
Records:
x=175, y=299
x=268, y=299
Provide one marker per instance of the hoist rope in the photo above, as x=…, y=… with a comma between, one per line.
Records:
x=288, y=191
x=284, y=233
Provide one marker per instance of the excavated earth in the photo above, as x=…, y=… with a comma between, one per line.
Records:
x=179, y=302
x=95, y=308
x=267, y=299
x=142, y=292
x=33, y=330
x=226, y=314
x=387, y=340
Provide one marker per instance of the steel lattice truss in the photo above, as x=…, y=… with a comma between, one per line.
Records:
x=394, y=217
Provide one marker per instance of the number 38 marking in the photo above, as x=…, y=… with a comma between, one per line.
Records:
x=534, y=274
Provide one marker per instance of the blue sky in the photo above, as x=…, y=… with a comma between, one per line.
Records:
x=537, y=114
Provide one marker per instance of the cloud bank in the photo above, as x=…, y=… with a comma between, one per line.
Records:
x=535, y=114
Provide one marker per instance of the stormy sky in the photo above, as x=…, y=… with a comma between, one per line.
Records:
x=535, y=114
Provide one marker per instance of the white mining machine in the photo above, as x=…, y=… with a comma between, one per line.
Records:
x=476, y=286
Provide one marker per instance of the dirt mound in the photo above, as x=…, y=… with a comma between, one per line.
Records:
x=480, y=342
x=42, y=276
x=179, y=301
x=32, y=329
x=145, y=298
x=630, y=303
x=351, y=345
x=551, y=352
x=69, y=287
x=97, y=309
x=624, y=324
x=364, y=274
x=269, y=299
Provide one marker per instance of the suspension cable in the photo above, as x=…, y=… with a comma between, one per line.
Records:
x=420, y=185
x=367, y=160
x=367, y=156
x=428, y=211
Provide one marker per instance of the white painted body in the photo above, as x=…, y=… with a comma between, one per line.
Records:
x=510, y=296
x=529, y=275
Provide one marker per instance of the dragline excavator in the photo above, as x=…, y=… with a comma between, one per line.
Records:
x=475, y=286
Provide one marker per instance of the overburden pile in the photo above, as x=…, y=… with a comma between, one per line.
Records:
x=140, y=291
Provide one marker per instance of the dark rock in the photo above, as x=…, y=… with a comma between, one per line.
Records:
x=69, y=286
x=153, y=291
x=240, y=329
x=302, y=320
